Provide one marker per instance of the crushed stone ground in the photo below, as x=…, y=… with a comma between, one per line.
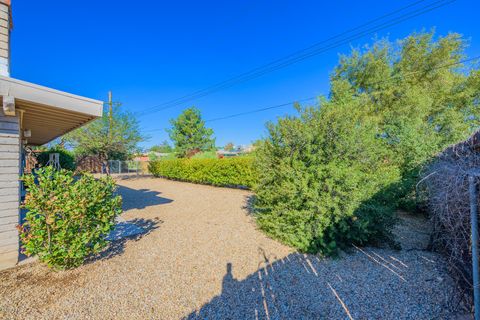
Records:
x=202, y=257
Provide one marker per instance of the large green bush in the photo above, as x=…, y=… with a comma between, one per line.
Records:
x=233, y=172
x=320, y=178
x=67, y=217
x=67, y=159
x=420, y=95
x=335, y=174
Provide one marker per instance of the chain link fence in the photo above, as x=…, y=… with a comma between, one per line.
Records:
x=130, y=167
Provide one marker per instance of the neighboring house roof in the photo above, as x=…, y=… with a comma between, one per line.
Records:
x=46, y=112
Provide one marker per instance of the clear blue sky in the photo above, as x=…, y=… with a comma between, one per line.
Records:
x=149, y=52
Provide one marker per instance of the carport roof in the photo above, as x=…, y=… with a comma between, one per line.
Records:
x=46, y=112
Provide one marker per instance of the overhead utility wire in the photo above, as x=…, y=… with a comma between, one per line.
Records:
x=315, y=97
x=278, y=64
x=293, y=54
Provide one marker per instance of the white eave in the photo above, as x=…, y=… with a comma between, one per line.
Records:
x=46, y=112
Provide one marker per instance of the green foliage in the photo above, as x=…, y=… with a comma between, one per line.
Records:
x=335, y=174
x=116, y=140
x=229, y=146
x=67, y=159
x=189, y=133
x=67, y=218
x=164, y=147
x=319, y=174
x=429, y=103
x=232, y=172
x=205, y=155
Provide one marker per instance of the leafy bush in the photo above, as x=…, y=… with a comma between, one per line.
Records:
x=67, y=218
x=422, y=96
x=334, y=175
x=67, y=160
x=233, y=172
x=318, y=183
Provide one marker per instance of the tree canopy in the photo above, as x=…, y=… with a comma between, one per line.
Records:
x=334, y=174
x=418, y=95
x=117, y=139
x=164, y=147
x=188, y=133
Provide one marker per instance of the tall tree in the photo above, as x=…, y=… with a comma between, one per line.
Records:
x=116, y=137
x=189, y=133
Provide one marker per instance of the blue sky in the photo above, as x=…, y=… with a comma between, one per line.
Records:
x=150, y=52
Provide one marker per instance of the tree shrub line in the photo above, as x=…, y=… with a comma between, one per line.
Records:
x=66, y=158
x=335, y=174
x=231, y=172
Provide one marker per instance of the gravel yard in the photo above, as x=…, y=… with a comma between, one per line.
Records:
x=202, y=258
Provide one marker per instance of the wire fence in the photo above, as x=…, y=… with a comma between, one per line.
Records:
x=130, y=167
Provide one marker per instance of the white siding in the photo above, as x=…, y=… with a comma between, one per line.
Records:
x=4, y=40
x=9, y=189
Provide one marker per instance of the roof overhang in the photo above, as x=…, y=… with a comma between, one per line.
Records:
x=46, y=112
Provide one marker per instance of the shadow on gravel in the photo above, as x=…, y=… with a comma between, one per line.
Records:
x=368, y=284
x=249, y=204
x=117, y=247
x=140, y=198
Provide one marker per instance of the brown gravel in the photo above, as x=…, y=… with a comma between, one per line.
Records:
x=202, y=258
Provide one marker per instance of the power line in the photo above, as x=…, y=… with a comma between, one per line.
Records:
x=261, y=109
x=304, y=53
x=315, y=97
x=295, y=53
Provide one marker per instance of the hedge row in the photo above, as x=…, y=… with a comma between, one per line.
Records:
x=227, y=172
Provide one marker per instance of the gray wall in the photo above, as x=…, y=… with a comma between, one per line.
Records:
x=9, y=189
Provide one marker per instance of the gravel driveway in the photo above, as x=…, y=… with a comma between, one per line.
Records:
x=202, y=258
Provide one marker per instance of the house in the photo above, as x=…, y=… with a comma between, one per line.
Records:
x=30, y=114
x=236, y=151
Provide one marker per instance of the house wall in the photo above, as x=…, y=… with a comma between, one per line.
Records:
x=9, y=189
x=5, y=24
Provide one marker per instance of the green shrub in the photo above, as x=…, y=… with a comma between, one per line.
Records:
x=319, y=178
x=232, y=172
x=67, y=217
x=421, y=95
x=335, y=174
x=67, y=160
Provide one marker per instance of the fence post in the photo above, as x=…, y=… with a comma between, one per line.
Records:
x=473, y=191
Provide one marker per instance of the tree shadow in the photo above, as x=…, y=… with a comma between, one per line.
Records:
x=117, y=247
x=365, y=284
x=140, y=198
